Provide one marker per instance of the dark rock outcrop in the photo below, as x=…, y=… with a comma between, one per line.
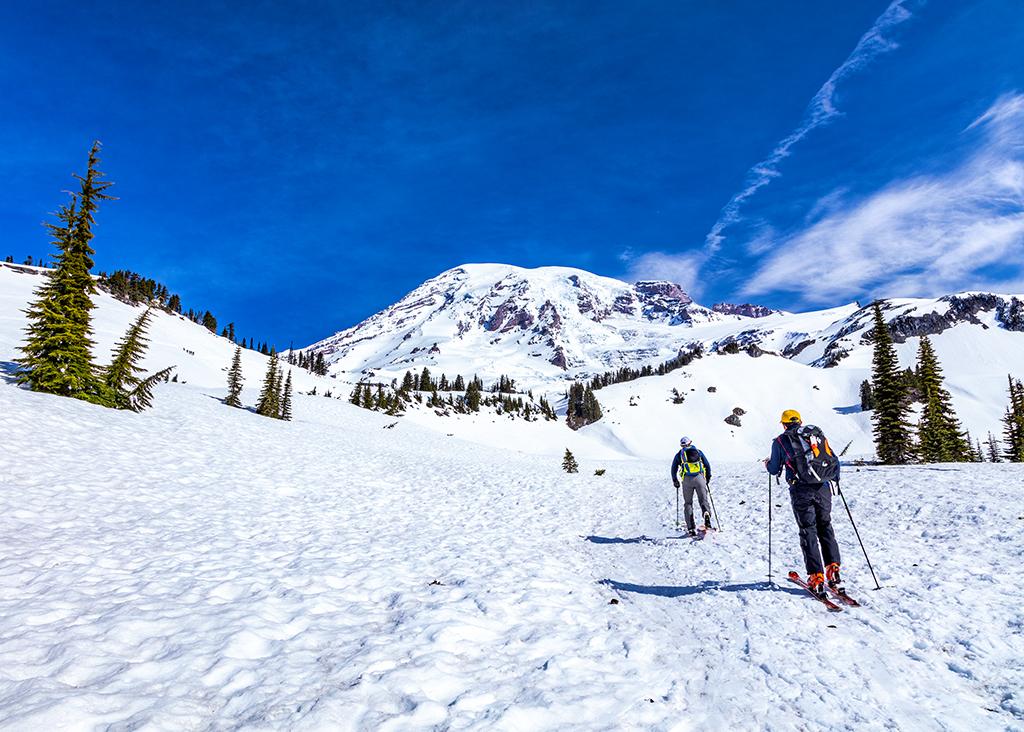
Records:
x=746, y=310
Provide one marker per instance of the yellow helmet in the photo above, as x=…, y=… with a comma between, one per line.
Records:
x=790, y=415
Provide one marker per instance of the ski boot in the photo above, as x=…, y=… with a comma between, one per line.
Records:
x=816, y=584
x=707, y=521
x=834, y=580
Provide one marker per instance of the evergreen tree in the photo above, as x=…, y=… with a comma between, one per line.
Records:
x=286, y=401
x=583, y=407
x=57, y=351
x=940, y=439
x=174, y=304
x=426, y=383
x=891, y=429
x=235, y=380
x=119, y=383
x=867, y=402
x=473, y=396
x=209, y=322
x=569, y=463
x=993, y=449
x=356, y=395
x=1013, y=423
x=279, y=383
x=267, y=405
x=367, y=400
x=460, y=384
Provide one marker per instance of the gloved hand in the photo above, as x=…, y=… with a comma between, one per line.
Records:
x=675, y=483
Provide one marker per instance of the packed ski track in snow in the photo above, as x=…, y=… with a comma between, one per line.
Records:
x=199, y=567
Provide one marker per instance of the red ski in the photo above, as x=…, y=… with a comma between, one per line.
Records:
x=842, y=595
x=795, y=579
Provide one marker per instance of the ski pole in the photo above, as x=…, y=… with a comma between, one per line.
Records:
x=677, y=505
x=770, y=580
x=712, y=499
x=847, y=506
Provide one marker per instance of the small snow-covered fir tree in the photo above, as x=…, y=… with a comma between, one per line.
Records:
x=569, y=463
x=235, y=380
x=119, y=383
x=992, y=449
x=268, y=404
x=286, y=399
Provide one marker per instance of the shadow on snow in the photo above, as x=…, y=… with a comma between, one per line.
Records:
x=705, y=586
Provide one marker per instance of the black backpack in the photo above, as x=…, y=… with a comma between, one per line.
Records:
x=809, y=455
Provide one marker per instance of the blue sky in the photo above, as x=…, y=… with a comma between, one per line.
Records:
x=295, y=167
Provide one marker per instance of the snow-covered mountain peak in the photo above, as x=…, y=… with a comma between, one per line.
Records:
x=535, y=323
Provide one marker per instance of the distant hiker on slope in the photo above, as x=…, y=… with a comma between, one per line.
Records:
x=691, y=469
x=810, y=466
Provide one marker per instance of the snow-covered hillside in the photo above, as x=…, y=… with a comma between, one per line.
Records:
x=199, y=357
x=976, y=336
x=201, y=567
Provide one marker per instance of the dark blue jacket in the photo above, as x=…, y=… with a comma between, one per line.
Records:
x=678, y=460
x=780, y=458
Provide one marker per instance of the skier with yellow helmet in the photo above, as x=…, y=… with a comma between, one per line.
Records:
x=810, y=467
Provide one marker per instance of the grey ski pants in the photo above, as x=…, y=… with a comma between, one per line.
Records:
x=691, y=484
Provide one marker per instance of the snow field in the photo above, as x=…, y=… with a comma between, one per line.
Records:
x=198, y=567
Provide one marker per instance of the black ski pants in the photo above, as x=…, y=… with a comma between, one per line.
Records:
x=812, y=506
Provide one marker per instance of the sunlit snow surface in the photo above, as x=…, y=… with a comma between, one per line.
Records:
x=201, y=567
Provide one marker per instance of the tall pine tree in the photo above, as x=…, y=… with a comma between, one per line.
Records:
x=58, y=351
x=235, y=380
x=891, y=428
x=940, y=437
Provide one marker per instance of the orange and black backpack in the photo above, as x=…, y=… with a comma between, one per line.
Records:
x=809, y=455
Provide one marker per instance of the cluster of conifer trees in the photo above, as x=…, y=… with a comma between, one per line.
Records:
x=58, y=349
x=134, y=288
x=629, y=374
x=314, y=363
x=938, y=435
x=583, y=407
x=41, y=262
x=275, y=398
x=443, y=393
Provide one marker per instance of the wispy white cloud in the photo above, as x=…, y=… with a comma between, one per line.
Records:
x=919, y=236
x=820, y=111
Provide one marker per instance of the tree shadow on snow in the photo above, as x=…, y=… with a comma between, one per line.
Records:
x=9, y=371
x=620, y=540
x=705, y=586
x=852, y=409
